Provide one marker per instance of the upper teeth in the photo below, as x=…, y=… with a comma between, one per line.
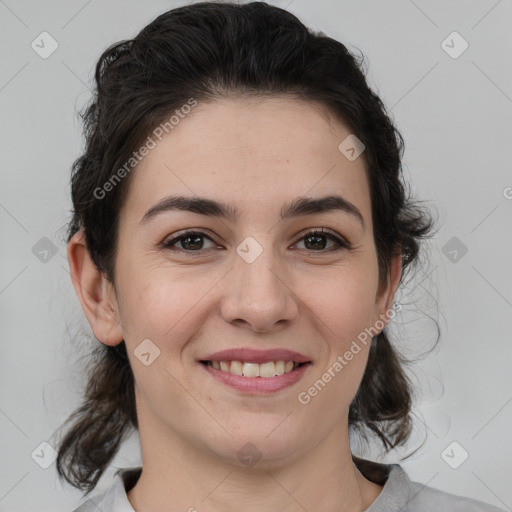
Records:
x=270, y=369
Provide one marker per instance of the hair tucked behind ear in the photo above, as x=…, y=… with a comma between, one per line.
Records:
x=202, y=52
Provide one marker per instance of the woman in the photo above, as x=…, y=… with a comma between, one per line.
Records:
x=240, y=230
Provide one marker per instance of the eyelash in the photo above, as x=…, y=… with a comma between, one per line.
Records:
x=342, y=243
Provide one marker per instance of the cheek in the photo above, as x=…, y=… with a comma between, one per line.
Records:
x=345, y=311
x=352, y=312
x=344, y=306
x=163, y=304
x=156, y=310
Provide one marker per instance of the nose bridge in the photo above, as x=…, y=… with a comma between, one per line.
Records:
x=258, y=294
x=256, y=266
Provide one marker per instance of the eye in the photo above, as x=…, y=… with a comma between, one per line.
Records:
x=317, y=238
x=190, y=242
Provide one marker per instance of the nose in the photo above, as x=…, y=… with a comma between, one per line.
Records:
x=258, y=296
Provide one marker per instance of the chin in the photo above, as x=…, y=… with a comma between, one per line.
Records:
x=258, y=449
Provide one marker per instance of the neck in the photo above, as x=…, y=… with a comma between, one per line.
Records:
x=193, y=479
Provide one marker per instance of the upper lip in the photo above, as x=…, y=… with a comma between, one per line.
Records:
x=249, y=355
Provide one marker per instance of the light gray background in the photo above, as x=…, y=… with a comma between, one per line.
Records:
x=455, y=115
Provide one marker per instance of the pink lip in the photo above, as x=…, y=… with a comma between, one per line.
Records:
x=248, y=355
x=256, y=385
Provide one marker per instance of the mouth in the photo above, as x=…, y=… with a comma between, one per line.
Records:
x=267, y=370
x=255, y=372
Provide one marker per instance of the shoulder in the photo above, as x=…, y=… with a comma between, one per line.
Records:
x=399, y=493
x=423, y=498
x=113, y=498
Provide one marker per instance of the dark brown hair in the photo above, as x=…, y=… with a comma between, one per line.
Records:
x=207, y=51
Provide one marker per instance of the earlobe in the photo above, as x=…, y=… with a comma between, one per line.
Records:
x=95, y=292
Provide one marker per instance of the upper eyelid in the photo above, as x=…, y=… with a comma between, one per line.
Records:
x=186, y=232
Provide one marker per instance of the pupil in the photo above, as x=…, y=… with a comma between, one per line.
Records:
x=316, y=237
x=197, y=239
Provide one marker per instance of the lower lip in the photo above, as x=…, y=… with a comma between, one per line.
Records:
x=257, y=385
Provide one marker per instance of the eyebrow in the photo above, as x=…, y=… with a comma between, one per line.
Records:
x=296, y=208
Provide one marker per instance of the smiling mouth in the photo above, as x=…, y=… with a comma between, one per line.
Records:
x=265, y=370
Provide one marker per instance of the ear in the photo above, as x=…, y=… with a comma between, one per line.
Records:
x=386, y=291
x=95, y=292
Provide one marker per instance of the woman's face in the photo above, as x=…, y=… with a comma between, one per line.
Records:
x=253, y=280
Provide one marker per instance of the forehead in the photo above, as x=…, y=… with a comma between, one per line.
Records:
x=248, y=152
